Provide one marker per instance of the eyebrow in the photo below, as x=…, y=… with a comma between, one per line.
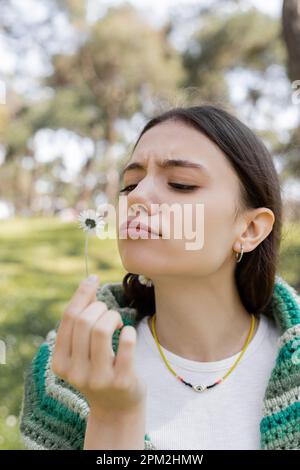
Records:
x=168, y=163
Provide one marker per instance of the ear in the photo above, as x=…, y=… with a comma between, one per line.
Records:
x=258, y=223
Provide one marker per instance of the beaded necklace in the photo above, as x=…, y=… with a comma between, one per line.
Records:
x=201, y=388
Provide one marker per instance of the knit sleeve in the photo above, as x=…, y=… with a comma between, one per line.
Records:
x=53, y=414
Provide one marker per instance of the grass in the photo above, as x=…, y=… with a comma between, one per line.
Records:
x=42, y=263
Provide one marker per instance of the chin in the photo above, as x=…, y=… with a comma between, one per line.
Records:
x=135, y=261
x=139, y=247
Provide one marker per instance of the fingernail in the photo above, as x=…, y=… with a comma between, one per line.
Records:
x=93, y=278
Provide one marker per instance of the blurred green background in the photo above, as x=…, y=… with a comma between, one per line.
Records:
x=78, y=81
x=42, y=262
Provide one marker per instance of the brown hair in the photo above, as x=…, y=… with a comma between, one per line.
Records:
x=259, y=187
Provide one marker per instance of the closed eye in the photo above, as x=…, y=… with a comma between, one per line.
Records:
x=183, y=187
x=126, y=189
x=176, y=186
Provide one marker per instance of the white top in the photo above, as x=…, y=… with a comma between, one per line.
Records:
x=226, y=416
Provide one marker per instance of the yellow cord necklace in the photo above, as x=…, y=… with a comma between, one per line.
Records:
x=201, y=388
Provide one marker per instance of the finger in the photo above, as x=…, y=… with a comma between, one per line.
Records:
x=101, y=352
x=83, y=326
x=124, y=360
x=84, y=295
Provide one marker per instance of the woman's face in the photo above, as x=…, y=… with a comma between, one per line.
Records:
x=208, y=207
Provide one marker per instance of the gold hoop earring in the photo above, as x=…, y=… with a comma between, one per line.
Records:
x=239, y=256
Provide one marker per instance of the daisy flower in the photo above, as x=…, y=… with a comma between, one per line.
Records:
x=90, y=221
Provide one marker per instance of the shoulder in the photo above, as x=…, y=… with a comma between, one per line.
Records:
x=279, y=425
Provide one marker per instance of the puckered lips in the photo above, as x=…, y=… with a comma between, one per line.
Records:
x=132, y=225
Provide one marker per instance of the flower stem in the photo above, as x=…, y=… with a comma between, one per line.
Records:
x=86, y=254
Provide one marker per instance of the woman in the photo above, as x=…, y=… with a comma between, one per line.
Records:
x=206, y=341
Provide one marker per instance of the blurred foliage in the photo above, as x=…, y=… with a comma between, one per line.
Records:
x=121, y=66
x=42, y=262
x=289, y=266
x=116, y=70
x=228, y=42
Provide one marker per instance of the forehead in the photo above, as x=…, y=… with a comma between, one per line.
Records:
x=172, y=140
x=171, y=137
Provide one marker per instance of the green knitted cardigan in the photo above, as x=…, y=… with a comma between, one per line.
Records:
x=53, y=413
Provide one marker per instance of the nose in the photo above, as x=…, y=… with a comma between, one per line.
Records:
x=141, y=209
x=142, y=200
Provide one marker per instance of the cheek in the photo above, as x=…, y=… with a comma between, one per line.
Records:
x=218, y=216
x=217, y=227
x=211, y=225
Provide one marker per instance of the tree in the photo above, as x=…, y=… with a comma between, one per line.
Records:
x=291, y=35
x=105, y=81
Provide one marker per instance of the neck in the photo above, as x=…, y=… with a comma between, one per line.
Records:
x=204, y=321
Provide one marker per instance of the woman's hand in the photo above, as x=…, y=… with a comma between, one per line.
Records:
x=83, y=355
